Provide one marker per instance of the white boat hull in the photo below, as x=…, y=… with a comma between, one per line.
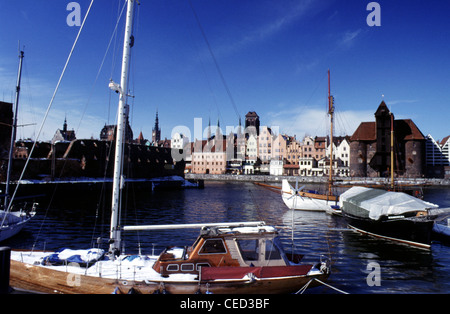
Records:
x=305, y=201
x=135, y=274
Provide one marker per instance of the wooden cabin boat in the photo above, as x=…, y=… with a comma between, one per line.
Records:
x=237, y=258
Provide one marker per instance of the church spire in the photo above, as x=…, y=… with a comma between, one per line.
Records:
x=156, y=132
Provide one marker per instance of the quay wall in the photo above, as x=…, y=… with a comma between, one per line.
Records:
x=317, y=180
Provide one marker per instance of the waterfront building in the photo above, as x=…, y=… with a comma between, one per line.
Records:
x=293, y=151
x=370, y=147
x=141, y=140
x=108, y=133
x=445, y=147
x=276, y=167
x=436, y=156
x=320, y=147
x=308, y=167
x=64, y=135
x=279, y=145
x=252, y=123
x=341, y=156
x=251, y=150
x=209, y=157
x=308, y=147
x=178, y=141
x=241, y=147
x=265, y=147
x=251, y=154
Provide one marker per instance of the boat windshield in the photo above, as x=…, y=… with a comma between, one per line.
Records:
x=259, y=251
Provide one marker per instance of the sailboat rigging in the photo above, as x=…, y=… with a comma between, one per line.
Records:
x=295, y=198
x=241, y=257
x=11, y=222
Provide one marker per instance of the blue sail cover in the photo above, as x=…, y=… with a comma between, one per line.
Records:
x=81, y=257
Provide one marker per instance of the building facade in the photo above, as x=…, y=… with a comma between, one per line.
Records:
x=64, y=135
x=209, y=157
x=252, y=123
x=370, y=147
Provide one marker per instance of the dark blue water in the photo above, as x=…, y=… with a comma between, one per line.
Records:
x=360, y=264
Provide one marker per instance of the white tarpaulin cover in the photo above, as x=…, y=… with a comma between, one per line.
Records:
x=379, y=202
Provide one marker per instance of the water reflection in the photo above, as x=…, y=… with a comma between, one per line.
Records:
x=79, y=222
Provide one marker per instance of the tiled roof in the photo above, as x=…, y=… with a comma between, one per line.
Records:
x=404, y=129
x=365, y=132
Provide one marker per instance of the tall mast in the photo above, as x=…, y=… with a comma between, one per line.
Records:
x=331, y=113
x=13, y=132
x=392, y=151
x=115, y=232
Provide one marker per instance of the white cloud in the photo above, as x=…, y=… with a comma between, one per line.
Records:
x=314, y=121
x=280, y=21
x=349, y=37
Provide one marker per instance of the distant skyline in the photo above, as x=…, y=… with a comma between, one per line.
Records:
x=266, y=56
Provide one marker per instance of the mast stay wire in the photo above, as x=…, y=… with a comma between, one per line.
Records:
x=51, y=103
x=215, y=60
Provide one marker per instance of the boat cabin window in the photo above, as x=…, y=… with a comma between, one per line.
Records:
x=249, y=249
x=187, y=267
x=172, y=267
x=260, y=251
x=272, y=251
x=213, y=246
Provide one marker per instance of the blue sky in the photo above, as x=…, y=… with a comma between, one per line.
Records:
x=273, y=57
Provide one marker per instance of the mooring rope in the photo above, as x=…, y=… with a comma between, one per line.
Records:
x=303, y=289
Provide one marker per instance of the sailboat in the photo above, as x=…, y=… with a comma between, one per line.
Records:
x=12, y=222
x=296, y=198
x=239, y=257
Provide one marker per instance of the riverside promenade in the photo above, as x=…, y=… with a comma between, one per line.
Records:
x=318, y=180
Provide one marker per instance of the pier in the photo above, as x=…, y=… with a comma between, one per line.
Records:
x=341, y=181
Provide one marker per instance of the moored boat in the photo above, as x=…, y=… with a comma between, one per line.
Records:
x=299, y=199
x=394, y=216
x=236, y=258
x=313, y=200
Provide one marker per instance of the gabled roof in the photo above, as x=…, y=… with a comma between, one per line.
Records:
x=212, y=146
x=404, y=129
x=365, y=132
x=445, y=140
x=407, y=130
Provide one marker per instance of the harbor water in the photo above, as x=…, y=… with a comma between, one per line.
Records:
x=360, y=264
